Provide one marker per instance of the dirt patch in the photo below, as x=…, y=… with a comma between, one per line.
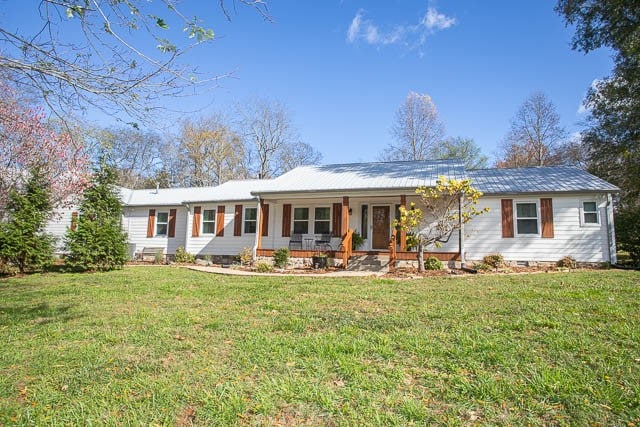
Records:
x=186, y=417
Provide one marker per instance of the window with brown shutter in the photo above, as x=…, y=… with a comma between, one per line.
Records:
x=195, y=230
x=336, y=223
x=286, y=220
x=507, y=217
x=220, y=221
x=151, y=223
x=237, y=221
x=74, y=221
x=172, y=223
x=265, y=220
x=546, y=217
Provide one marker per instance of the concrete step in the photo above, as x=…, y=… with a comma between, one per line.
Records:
x=368, y=263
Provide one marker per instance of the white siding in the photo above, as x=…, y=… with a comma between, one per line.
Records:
x=58, y=225
x=210, y=244
x=135, y=225
x=586, y=243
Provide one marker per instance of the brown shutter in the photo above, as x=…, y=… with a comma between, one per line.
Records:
x=74, y=221
x=265, y=220
x=286, y=220
x=151, y=223
x=237, y=221
x=220, y=221
x=336, y=220
x=546, y=217
x=195, y=231
x=172, y=223
x=507, y=217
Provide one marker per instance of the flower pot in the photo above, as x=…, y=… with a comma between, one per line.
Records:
x=319, y=261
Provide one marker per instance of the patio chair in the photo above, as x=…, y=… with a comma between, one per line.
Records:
x=324, y=242
x=295, y=242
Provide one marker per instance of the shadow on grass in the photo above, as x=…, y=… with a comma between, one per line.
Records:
x=39, y=314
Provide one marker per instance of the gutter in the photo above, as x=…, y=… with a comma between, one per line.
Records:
x=258, y=229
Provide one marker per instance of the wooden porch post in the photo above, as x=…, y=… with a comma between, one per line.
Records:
x=260, y=224
x=403, y=233
x=345, y=215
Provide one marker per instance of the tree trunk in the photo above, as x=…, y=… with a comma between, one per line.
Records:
x=420, y=257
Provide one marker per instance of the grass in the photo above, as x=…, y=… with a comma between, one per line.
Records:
x=168, y=346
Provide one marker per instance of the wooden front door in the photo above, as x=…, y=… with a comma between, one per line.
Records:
x=380, y=222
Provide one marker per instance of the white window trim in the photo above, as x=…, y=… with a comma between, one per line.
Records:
x=582, y=212
x=158, y=223
x=308, y=220
x=515, y=218
x=244, y=220
x=328, y=220
x=202, y=221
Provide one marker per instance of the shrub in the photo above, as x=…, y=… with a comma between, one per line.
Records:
x=281, y=257
x=494, y=260
x=98, y=242
x=263, y=267
x=23, y=242
x=628, y=232
x=246, y=256
x=567, y=262
x=158, y=257
x=481, y=266
x=433, y=263
x=184, y=256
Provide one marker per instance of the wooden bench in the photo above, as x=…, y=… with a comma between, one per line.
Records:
x=150, y=252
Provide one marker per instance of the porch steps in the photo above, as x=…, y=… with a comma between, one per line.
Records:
x=368, y=263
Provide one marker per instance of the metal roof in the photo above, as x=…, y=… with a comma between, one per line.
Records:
x=556, y=179
x=364, y=176
x=235, y=190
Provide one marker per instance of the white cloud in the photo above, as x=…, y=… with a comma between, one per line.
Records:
x=434, y=20
x=412, y=36
x=584, y=107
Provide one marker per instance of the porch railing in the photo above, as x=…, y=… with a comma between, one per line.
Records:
x=347, y=245
x=392, y=250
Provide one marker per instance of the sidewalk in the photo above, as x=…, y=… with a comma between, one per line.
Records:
x=234, y=272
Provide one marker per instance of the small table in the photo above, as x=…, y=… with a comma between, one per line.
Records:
x=309, y=243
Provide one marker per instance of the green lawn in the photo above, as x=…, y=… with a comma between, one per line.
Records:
x=168, y=346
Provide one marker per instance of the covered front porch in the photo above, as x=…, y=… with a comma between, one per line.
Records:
x=298, y=223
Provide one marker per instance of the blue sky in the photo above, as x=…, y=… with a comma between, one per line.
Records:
x=343, y=67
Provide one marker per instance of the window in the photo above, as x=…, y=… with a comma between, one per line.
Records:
x=527, y=218
x=364, y=220
x=250, y=218
x=209, y=221
x=162, y=223
x=590, y=213
x=322, y=224
x=301, y=220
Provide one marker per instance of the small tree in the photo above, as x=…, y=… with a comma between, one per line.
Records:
x=442, y=210
x=98, y=243
x=23, y=241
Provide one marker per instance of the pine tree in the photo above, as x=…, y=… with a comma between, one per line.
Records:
x=98, y=242
x=23, y=242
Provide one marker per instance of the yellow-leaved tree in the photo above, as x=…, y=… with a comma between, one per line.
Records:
x=439, y=212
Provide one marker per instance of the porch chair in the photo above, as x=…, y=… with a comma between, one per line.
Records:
x=324, y=242
x=295, y=241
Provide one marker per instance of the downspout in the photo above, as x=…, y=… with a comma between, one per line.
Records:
x=461, y=235
x=258, y=229
x=611, y=232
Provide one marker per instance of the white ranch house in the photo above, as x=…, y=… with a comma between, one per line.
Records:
x=536, y=214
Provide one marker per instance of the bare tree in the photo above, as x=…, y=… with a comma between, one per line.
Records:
x=210, y=153
x=534, y=136
x=464, y=149
x=417, y=130
x=134, y=154
x=273, y=145
x=97, y=53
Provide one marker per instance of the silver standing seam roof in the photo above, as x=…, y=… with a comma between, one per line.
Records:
x=364, y=176
x=556, y=179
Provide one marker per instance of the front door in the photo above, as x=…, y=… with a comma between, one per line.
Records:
x=380, y=223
